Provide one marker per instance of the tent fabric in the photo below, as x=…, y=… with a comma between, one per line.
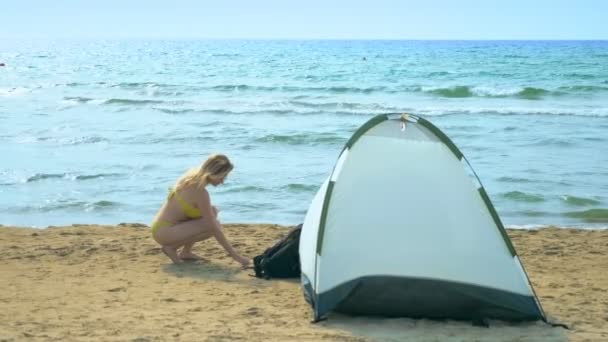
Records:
x=403, y=227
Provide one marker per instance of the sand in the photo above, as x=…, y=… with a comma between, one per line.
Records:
x=112, y=283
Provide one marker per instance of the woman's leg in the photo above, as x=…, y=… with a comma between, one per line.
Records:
x=186, y=253
x=183, y=233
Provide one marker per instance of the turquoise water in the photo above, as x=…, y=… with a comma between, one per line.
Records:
x=95, y=131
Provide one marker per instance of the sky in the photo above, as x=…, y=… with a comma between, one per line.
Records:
x=306, y=19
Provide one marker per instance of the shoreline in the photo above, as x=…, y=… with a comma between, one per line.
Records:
x=91, y=282
x=582, y=226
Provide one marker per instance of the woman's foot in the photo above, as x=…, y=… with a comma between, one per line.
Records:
x=171, y=253
x=189, y=256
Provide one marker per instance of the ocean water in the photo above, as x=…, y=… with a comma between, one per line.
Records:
x=95, y=131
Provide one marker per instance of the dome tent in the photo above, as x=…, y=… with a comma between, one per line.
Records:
x=402, y=227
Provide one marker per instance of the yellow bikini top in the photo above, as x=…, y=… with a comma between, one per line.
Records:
x=190, y=210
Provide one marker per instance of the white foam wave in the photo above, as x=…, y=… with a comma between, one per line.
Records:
x=17, y=91
x=347, y=105
x=513, y=110
x=496, y=91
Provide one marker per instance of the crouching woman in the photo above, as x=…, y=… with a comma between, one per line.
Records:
x=187, y=215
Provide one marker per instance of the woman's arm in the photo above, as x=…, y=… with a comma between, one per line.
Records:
x=209, y=214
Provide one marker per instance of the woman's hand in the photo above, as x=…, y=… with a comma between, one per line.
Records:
x=243, y=261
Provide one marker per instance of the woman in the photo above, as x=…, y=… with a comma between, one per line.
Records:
x=188, y=216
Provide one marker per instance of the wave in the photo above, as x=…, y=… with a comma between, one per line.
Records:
x=303, y=139
x=453, y=110
x=561, y=142
x=134, y=102
x=352, y=108
x=528, y=93
x=329, y=89
x=302, y=101
x=78, y=99
x=594, y=139
x=43, y=176
x=137, y=85
x=65, y=140
x=534, y=213
x=438, y=73
x=531, y=93
x=14, y=91
x=246, y=188
x=578, y=75
x=299, y=106
x=452, y=92
x=232, y=55
x=270, y=110
x=112, y=101
x=456, y=91
x=296, y=187
x=516, y=56
x=174, y=111
x=102, y=204
x=523, y=197
x=346, y=106
x=96, y=176
x=68, y=176
x=122, y=101
x=591, y=215
x=584, y=88
x=156, y=89
x=513, y=180
x=302, y=108
x=69, y=205
x=85, y=140
x=579, y=201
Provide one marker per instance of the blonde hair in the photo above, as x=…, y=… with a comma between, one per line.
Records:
x=216, y=166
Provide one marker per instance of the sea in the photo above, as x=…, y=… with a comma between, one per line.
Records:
x=96, y=131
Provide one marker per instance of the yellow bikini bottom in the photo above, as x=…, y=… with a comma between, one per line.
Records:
x=160, y=224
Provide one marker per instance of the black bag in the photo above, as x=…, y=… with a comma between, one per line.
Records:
x=281, y=260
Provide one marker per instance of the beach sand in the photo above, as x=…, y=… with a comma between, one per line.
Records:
x=89, y=282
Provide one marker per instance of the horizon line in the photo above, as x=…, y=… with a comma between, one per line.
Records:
x=294, y=38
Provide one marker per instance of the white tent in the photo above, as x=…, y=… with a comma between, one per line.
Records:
x=403, y=227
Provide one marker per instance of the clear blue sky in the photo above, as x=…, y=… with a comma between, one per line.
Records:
x=319, y=19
